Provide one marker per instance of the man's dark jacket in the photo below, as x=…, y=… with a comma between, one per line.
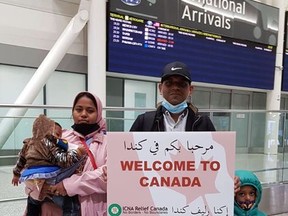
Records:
x=154, y=121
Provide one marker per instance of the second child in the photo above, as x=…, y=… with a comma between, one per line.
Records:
x=248, y=198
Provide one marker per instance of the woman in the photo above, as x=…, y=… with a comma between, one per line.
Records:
x=89, y=130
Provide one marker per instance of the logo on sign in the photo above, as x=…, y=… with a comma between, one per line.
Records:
x=131, y=2
x=114, y=210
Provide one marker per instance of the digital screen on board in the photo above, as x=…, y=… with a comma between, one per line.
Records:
x=285, y=71
x=242, y=19
x=142, y=47
x=285, y=59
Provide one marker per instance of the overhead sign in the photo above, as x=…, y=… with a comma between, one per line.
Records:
x=242, y=19
x=176, y=173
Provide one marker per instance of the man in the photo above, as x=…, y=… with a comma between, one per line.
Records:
x=174, y=113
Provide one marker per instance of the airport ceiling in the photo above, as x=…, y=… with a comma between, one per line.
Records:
x=274, y=3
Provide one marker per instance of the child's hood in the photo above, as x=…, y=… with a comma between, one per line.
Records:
x=42, y=126
x=249, y=178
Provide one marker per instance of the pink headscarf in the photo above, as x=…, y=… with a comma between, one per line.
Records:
x=99, y=120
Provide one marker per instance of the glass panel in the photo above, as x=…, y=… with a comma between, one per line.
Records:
x=240, y=120
x=258, y=120
x=201, y=99
x=221, y=121
x=133, y=89
x=20, y=77
x=259, y=100
x=258, y=129
x=241, y=101
x=140, y=102
x=114, y=98
x=220, y=100
x=61, y=89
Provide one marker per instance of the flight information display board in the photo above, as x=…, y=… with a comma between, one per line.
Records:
x=285, y=72
x=285, y=59
x=142, y=47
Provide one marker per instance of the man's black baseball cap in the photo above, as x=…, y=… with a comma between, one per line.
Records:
x=176, y=68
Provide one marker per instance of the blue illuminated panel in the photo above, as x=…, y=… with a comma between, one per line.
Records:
x=143, y=47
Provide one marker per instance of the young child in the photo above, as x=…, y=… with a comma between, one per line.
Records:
x=41, y=160
x=248, y=198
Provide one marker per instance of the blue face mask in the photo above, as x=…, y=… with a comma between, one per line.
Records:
x=174, y=109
